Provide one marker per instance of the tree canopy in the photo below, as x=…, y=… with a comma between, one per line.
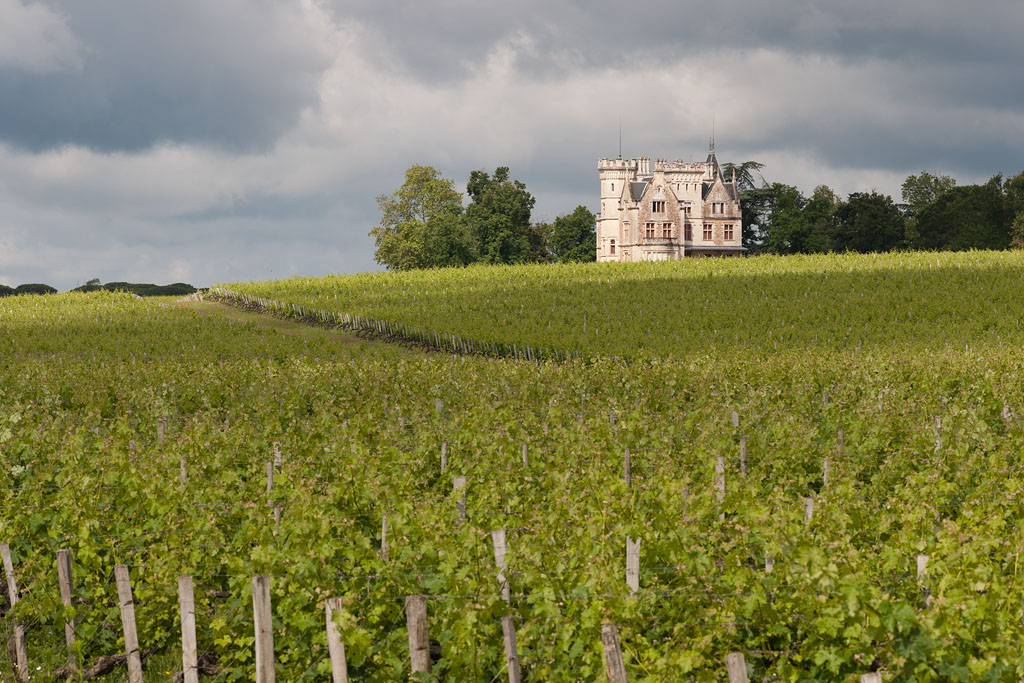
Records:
x=868, y=221
x=499, y=217
x=573, y=237
x=422, y=224
x=966, y=217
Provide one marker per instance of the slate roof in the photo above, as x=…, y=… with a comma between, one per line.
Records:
x=637, y=189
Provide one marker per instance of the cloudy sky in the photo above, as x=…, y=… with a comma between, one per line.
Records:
x=199, y=141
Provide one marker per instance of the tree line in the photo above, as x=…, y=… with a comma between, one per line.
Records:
x=935, y=214
x=425, y=224
x=139, y=288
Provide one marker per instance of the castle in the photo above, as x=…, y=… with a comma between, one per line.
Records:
x=669, y=212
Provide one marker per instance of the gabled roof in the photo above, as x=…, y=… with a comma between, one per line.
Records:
x=730, y=189
x=637, y=189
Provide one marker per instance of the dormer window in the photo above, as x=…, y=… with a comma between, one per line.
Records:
x=718, y=208
x=658, y=206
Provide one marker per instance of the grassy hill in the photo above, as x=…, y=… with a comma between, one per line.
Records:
x=912, y=302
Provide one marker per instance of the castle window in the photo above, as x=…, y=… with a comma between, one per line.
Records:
x=658, y=207
x=718, y=208
x=649, y=230
x=707, y=232
x=611, y=249
x=613, y=187
x=727, y=232
x=688, y=232
x=666, y=230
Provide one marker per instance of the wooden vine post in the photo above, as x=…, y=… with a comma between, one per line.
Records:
x=871, y=678
x=508, y=627
x=614, y=665
x=743, y=455
x=189, y=648
x=66, y=592
x=335, y=646
x=444, y=456
x=627, y=468
x=20, y=653
x=633, y=564
x=720, y=483
x=508, y=630
x=498, y=540
x=131, y=636
x=459, y=487
x=419, y=636
x=264, y=628
x=736, y=667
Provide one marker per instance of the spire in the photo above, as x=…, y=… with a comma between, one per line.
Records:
x=712, y=159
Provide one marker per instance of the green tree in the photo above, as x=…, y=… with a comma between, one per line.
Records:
x=422, y=224
x=919, y=192
x=573, y=237
x=1017, y=232
x=819, y=213
x=755, y=201
x=1013, y=193
x=748, y=174
x=756, y=207
x=7, y=291
x=868, y=221
x=499, y=217
x=966, y=217
x=34, y=288
x=787, y=227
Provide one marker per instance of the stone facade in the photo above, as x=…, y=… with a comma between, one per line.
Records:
x=669, y=211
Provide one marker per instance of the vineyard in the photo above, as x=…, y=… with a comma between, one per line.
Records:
x=815, y=462
x=911, y=301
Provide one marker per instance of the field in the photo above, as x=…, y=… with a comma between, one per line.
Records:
x=911, y=301
x=824, y=471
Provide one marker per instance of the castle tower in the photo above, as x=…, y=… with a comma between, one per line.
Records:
x=615, y=175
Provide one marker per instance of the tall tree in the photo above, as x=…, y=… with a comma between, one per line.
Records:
x=868, y=221
x=421, y=223
x=573, y=237
x=965, y=217
x=1017, y=232
x=748, y=174
x=755, y=201
x=787, y=227
x=919, y=192
x=820, y=212
x=499, y=216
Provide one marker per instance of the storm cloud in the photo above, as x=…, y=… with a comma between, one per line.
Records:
x=199, y=141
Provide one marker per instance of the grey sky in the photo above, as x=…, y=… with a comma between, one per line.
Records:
x=247, y=139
